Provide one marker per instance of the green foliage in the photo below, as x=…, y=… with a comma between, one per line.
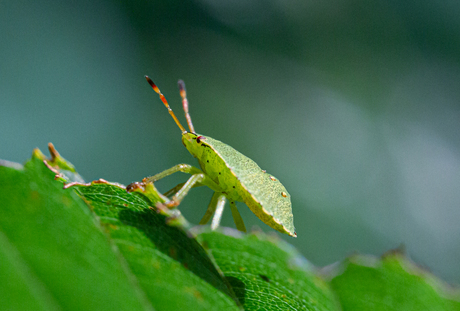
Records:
x=163, y=258
x=267, y=273
x=56, y=255
x=97, y=247
x=392, y=283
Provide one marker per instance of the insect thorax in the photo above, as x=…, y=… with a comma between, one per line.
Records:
x=212, y=164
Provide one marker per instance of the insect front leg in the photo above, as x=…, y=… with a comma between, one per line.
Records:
x=195, y=180
x=185, y=168
x=174, y=190
x=177, y=198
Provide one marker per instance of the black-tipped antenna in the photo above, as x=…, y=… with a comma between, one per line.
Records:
x=183, y=94
x=165, y=102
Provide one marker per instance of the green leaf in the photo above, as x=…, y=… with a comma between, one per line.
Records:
x=267, y=273
x=23, y=289
x=56, y=253
x=171, y=267
x=391, y=283
x=53, y=254
x=65, y=171
x=120, y=250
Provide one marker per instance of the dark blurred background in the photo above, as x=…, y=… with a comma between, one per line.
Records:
x=353, y=105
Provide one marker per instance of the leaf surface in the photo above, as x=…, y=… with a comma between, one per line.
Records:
x=390, y=283
x=111, y=250
x=53, y=254
x=170, y=265
x=267, y=273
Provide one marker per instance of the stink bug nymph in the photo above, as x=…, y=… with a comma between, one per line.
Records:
x=231, y=175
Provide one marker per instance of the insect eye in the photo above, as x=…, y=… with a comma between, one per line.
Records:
x=200, y=138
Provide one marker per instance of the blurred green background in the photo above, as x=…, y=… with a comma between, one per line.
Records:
x=353, y=105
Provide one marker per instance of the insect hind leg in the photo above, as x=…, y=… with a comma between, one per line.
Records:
x=237, y=217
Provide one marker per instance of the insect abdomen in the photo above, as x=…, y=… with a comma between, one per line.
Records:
x=264, y=194
x=270, y=201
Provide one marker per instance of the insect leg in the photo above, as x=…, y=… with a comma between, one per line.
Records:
x=237, y=217
x=177, y=198
x=211, y=209
x=173, y=190
x=185, y=168
x=219, y=210
x=195, y=180
x=177, y=188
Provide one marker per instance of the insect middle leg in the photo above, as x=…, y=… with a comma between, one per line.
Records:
x=219, y=210
x=211, y=208
x=216, y=207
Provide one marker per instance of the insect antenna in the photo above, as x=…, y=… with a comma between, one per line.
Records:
x=183, y=94
x=165, y=102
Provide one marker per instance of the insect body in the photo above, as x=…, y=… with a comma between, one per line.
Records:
x=231, y=175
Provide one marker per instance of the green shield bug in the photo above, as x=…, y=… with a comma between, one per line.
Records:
x=231, y=175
